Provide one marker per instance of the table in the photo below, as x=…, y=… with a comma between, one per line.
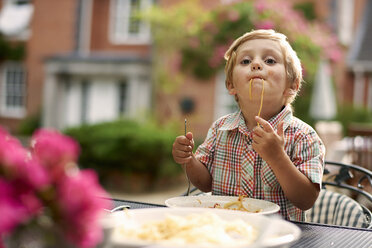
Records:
x=313, y=235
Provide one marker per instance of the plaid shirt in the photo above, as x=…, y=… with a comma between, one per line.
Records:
x=237, y=169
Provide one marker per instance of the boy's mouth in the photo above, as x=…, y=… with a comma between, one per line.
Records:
x=256, y=77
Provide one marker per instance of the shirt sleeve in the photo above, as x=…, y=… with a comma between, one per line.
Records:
x=205, y=151
x=308, y=156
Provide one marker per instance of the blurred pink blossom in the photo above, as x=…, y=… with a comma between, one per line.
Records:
x=218, y=55
x=12, y=211
x=233, y=15
x=265, y=24
x=74, y=199
x=176, y=62
x=260, y=6
x=334, y=54
x=54, y=150
x=211, y=28
x=12, y=153
x=81, y=204
x=18, y=164
x=194, y=42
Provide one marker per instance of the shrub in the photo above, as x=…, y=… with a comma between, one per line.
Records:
x=28, y=126
x=348, y=114
x=126, y=147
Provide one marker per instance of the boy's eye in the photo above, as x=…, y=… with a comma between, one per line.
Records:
x=245, y=61
x=270, y=61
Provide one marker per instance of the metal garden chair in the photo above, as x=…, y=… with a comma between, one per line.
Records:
x=334, y=206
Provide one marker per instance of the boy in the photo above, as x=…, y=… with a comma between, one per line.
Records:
x=262, y=150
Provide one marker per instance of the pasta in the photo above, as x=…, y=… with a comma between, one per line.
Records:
x=206, y=229
x=262, y=95
x=237, y=205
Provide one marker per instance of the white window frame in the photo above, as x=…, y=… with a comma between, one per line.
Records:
x=85, y=85
x=123, y=97
x=15, y=111
x=345, y=15
x=224, y=102
x=120, y=13
x=25, y=11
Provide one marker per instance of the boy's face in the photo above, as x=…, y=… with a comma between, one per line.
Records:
x=260, y=59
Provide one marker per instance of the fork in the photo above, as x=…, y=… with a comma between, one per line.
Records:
x=118, y=208
x=188, y=179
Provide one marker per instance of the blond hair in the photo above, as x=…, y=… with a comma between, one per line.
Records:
x=291, y=61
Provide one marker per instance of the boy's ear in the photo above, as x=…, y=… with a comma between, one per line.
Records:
x=292, y=90
x=231, y=88
x=289, y=92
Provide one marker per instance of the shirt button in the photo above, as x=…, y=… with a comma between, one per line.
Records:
x=249, y=146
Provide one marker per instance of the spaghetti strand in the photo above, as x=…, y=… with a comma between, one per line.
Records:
x=250, y=89
x=262, y=94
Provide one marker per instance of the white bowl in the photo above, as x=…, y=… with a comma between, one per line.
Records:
x=271, y=231
x=255, y=206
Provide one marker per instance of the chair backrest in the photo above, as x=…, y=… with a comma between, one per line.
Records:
x=359, y=145
x=354, y=178
x=338, y=209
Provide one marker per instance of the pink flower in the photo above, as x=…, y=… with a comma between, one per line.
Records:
x=175, y=65
x=233, y=15
x=194, y=42
x=17, y=164
x=334, y=54
x=218, y=56
x=12, y=154
x=12, y=210
x=81, y=203
x=54, y=150
x=210, y=28
x=265, y=24
x=35, y=174
x=260, y=6
x=37, y=180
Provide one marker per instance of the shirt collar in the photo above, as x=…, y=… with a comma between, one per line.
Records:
x=233, y=121
x=285, y=115
x=236, y=120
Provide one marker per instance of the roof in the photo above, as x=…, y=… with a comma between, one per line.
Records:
x=100, y=57
x=360, y=55
x=98, y=63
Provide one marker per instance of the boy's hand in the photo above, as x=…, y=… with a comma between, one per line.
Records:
x=266, y=142
x=182, y=149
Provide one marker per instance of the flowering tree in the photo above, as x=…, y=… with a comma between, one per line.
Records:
x=202, y=36
x=43, y=189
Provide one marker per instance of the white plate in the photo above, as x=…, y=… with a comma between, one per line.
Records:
x=253, y=205
x=271, y=231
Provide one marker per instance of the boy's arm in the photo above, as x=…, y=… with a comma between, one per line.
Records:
x=196, y=171
x=296, y=186
x=299, y=189
x=199, y=175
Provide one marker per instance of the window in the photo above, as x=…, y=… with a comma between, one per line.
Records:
x=125, y=26
x=13, y=89
x=15, y=18
x=123, y=92
x=85, y=85
x=341, y=18
x=224, y=103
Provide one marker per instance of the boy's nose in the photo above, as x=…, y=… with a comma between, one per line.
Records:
x=256, y=66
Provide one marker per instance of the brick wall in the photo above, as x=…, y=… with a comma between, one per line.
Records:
x=53, y=31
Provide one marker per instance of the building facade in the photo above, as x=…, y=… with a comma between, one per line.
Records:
x=89, y=61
